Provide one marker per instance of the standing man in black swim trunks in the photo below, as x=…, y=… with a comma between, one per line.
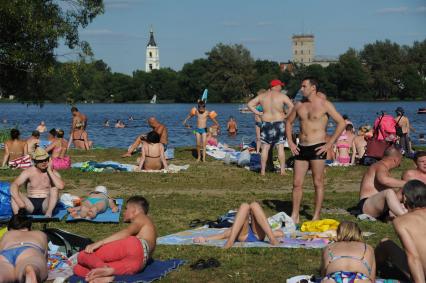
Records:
x=272, y=130
x=313, y=112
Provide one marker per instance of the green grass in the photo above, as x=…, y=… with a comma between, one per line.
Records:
x=207, y=190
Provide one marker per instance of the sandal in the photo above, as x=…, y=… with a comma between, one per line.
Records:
x=212, y=262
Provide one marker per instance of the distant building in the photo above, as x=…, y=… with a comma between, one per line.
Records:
x=303, y=48
x=304, y=51
x=152, y=61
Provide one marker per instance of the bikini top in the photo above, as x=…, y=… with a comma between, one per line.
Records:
x=362, y=260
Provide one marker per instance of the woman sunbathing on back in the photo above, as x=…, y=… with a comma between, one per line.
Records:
x=244, y=231
x=97, y=202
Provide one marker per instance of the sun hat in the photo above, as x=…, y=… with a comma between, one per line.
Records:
x=40, y=154
x=276, y=82
x=101, y=189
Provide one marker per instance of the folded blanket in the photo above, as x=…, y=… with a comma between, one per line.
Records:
x=172, y=169
x=155, y=270
x=111, y=166
x=293, y=239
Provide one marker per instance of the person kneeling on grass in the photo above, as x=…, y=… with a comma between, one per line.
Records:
x=23, y=253
x=123, y=253
x=97, y=202
x=411, y=230
x=349, y=259
x=244, y=231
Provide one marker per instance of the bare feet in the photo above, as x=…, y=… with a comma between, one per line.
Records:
x=274, y=242
x=30, y=275
x=48, y=214
x=296, y=219
x=99, y=273
x=127, y=155
x=74, y=214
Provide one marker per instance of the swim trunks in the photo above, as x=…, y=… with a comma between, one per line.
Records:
x=201, y=131
x=38, y=205
x=272, y=132
x=308, y=153
x=383, y=216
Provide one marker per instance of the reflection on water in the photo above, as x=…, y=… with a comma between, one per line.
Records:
x=58, y=116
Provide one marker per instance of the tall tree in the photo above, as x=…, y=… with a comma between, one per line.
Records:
x=231, y=71
x=30, y=30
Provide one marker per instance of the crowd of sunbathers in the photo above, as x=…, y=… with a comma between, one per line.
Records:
x=349, y=259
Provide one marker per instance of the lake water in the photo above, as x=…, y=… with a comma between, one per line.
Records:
x=58, y=116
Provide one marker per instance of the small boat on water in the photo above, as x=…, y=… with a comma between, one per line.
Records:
x=421, y=111
x=154, y=99
x=244, y=109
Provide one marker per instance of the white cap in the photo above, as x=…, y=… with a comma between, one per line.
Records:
x=101, y=189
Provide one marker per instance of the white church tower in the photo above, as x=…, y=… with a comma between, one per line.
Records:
x=152, y=61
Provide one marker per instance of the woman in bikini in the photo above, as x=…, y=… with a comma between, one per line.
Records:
x=15, y=152
x=58, y=149
x=97, y=202
x=152, y=157
x=342, y=150
x=23, y=253
x=250, y=225
x=80, y=138
x=349, y=259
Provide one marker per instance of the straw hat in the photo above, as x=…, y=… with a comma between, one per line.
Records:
x=40, y=154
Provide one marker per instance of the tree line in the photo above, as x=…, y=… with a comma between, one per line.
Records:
x=30, y=32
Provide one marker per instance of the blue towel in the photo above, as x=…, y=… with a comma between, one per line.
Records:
x=5, y=197
x=156, y=270
x=58, y=213
x=107, y=217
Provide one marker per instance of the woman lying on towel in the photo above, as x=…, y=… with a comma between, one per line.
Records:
x=250, y=225
x=97, y=202
x=15, y=152
x=152, y=157
x=58, y=149
x=349, y=259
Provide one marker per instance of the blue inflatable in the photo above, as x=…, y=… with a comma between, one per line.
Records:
x=5, y=197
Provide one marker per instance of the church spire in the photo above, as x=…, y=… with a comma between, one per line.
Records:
x=151, y=38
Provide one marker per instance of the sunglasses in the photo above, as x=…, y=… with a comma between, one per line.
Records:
x=41, y=161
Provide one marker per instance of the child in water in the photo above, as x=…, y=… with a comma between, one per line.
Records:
x=97, y=202
x=201, y=131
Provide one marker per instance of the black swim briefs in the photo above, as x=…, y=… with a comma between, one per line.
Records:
x=309, y=152
x=383, y=216
x=38, y=205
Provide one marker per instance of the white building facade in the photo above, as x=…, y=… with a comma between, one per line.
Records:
x=152, y=61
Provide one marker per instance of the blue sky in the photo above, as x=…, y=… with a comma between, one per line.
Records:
x=186, y=29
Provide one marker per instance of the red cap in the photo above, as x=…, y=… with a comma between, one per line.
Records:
x=275, y=83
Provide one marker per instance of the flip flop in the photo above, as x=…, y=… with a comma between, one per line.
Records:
x=199, y=264
x=212, y=262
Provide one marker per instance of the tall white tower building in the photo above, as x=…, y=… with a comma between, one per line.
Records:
x=303, y=48
x=152, y=61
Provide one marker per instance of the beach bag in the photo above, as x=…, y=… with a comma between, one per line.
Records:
x=59, y=163
x=68, y=243
x=5, y=200
x=376, y=148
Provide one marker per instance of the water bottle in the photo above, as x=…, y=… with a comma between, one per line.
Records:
x=227, y=158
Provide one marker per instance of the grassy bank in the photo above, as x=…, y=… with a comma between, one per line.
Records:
x=207, y=190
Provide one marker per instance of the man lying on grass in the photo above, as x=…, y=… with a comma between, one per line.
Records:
x=244, y=231
x=125, y=252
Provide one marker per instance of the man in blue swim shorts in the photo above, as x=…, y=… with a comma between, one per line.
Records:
x=272, y=130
